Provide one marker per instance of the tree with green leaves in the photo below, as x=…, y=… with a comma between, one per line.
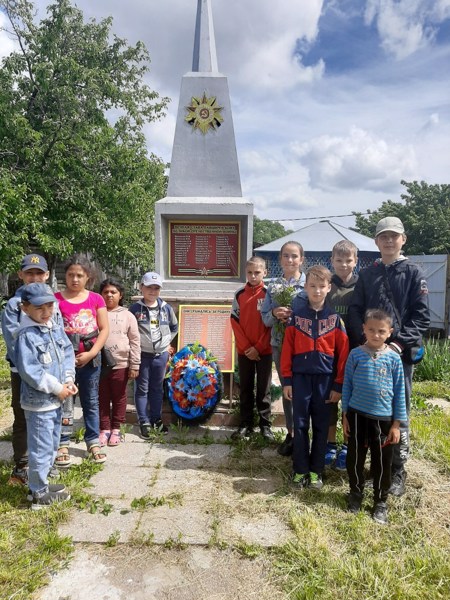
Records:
x=265, y=231
x=75, y=173
x=425, y=213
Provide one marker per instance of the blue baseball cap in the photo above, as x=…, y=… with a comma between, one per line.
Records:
x=33, y=261
x=37, y=294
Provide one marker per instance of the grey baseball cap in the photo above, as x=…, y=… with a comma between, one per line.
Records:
x=151, y=279
x=389, y=224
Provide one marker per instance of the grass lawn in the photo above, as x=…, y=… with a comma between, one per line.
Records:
x=333, y=555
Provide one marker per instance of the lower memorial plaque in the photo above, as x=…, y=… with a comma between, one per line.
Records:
x=210, y=325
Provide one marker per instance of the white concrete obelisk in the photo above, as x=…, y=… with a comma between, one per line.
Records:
x=204, y=185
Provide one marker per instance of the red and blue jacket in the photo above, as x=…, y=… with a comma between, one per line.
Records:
x=315, y=343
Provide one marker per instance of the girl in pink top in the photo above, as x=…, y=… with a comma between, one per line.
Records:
x=124, y=344
x=86, y=324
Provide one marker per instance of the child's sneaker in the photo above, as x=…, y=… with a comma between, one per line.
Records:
x=300, y=481
x=380, y=513
x=241, y=432
x=54, y=473
x=315, y=481
x=267, y=433
x=287, y=446
x=398, y=486
x=354, y=502
x=48, y=499
x=341, y=459
x=18, y=477
x=159, y=427
x=57, y=488
x=330, y=454
x=145, y=429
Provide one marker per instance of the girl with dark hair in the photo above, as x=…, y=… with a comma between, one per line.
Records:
x=124, y=346
x=86, y=324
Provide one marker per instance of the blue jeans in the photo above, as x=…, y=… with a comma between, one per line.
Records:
x=87, y=379
x=43, y=431
x=148, y=391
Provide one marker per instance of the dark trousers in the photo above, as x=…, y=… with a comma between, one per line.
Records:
x=19, y=428
x=401, y=450
x=368, y=433
x=148, y=394
x=112, y=398
x=248, y=369
x=309, y=393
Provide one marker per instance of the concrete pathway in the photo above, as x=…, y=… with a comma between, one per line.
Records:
x=169, y=516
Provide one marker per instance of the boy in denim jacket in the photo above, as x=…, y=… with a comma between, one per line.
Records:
x=45, y=361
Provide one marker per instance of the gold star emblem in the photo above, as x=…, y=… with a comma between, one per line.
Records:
x=204, y=114
x=35, y=260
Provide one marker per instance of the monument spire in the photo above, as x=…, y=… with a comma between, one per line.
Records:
x=205, y=57
x=204, y=158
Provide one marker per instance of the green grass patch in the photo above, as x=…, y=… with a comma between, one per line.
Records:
x=359, y=560
x=435, y=365
x=332, y=554
x=429, y=430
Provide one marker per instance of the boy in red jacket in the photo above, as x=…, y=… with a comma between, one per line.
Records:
x=313, y=357
x=254, y=350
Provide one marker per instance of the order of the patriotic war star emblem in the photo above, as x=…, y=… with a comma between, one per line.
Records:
x=204, y=114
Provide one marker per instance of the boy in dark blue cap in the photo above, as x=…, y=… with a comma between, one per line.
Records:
x=33, y=269
x=45, y=361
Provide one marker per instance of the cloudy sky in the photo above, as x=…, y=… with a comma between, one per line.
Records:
x=334, y=101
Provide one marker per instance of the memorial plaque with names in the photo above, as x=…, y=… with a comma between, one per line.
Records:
x=211, y=326
x=204, y=249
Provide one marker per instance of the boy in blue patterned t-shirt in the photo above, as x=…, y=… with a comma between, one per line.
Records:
x=373, y=404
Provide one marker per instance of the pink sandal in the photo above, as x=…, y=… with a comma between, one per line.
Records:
x=104, y=437
x=114, y=438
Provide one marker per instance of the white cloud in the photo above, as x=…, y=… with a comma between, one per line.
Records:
x=259, y=163
x=406, y=26
x=298, y=154
x=360, y=160
x=7, y=44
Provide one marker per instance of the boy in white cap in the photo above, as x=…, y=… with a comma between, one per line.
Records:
x=396, y=285
x=157, y=326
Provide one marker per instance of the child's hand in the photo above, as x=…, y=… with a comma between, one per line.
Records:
x=345, y=426
x=282, y=313
x=287, y=392
x=69, y=389
x=171, y=351
x=252, y=353
x=133, y=373
x=393, y=435
x=334, y=397
x=82, y=359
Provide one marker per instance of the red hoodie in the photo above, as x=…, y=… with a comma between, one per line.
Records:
x=248, y=327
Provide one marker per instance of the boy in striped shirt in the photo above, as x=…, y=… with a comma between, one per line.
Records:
x=373, y=404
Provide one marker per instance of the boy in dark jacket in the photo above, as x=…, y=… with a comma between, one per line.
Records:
x=394, y=284
x=344, y=258
x=313, y=357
